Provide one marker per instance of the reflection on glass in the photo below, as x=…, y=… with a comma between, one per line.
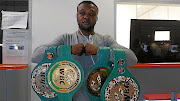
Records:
x=155, y=41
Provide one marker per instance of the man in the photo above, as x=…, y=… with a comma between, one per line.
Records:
x=84, y=43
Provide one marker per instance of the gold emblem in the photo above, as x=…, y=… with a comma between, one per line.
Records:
x=95, y=80
x=64, y=76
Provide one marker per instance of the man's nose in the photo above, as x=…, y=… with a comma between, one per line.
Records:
x=86, y=16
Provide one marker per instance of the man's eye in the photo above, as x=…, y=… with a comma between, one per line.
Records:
x=92, y=14
x=82, y=13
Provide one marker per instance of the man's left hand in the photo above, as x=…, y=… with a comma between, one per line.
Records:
x=90, y=49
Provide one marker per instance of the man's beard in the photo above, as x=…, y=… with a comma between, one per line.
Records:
x=90, y=28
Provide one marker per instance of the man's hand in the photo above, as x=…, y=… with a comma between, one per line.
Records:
x=90, y=49
x=77, y=49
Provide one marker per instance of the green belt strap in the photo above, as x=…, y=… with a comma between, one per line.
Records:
x=53, y=50
x=64, y=59
x=101, y=66
x=119, y=71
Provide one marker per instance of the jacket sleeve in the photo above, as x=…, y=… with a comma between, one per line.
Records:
x=38, y=53
x=131, y=58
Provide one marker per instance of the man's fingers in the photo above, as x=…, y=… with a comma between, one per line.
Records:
x=90, y=49
x=77, y=49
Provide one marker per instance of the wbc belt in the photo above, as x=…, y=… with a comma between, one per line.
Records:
x=120, y=85
x=65, y=75
x=97, y=75
x=38, y=76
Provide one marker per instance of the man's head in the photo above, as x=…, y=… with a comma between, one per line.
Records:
x=87, y=13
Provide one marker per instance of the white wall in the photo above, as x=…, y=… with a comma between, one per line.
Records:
x=124, y=14
x=51, y=18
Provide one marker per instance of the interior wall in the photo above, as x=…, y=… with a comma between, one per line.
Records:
x=50, y=18
x=124, y=14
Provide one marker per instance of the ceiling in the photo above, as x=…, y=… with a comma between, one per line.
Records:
x=144, y=6
x=151, y=1
x=142, y=9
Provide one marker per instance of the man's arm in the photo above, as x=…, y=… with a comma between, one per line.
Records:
x=131, y=58
x=64, y=39
x=38, y=53
x=110, y=42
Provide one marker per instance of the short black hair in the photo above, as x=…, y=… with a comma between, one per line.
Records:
x=87, y=2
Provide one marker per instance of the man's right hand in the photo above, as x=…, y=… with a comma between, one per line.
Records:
x=77, y=49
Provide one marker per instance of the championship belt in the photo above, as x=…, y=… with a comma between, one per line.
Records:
x=120, y=85
x=98, y=74
x=65, y=75
x=38, y=76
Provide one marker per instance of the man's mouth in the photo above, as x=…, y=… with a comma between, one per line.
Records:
x=86, y=22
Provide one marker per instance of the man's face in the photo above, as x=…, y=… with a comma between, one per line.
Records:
x=87, y=16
